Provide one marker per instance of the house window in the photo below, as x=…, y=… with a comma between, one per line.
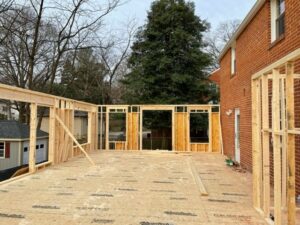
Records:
x=233, y=60
x=42, y=146
x=2, y=150
x=278, y=19
x=36, y=147
x=26, y=149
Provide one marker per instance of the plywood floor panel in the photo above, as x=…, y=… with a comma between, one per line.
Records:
x=124, y=188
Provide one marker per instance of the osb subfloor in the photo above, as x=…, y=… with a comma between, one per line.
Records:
x=131, y=188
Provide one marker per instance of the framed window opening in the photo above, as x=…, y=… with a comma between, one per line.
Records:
x=199, y=127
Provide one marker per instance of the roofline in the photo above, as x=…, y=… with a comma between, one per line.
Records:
x=21, y=139
x=243, y=25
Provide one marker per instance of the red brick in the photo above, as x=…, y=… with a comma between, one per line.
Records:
x=253, y=53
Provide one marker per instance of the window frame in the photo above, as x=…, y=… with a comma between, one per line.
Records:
x=233, y=60
x=3, y=157
x=277, y=19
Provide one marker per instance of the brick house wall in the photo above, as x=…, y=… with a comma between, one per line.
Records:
x=254, y=52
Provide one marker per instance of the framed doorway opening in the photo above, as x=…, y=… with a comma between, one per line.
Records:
x=156, y=128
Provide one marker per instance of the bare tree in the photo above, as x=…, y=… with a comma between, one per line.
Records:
x=5, y=5
x=217, y=39
x=39, y=34
x=114, y=55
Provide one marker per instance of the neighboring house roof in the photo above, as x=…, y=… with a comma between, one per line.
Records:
x=10, y=129
x=215, y=76
x=243, y=25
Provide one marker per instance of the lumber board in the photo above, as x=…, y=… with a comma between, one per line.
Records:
x=133, y=131
x=107, y=129
x=32, y=141
x=74, y=139
x=51, y=148
x=281, y=62
x=42, y=99
x=221, y=133
x=255, y=146
x=173, y=128
x=283, y=141
x=210, y=131
x=215, y=127
x=141, y=128
x=20, y=172
x=101, y=128
x=291, y=159
x=276, y=149
x=197, y=178
x=266, y=147
x=180, y=131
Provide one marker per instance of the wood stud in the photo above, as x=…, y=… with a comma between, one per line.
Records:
x=180, y=126
x=291, y=204
x=283, y=140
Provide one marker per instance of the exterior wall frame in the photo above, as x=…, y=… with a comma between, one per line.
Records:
x=283, y=132
x=135, y=128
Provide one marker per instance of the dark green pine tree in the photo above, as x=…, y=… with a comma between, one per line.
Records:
x=168, y=63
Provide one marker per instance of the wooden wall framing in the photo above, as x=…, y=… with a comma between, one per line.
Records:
x=283, y=131
x=62, y=144
x=180, y=126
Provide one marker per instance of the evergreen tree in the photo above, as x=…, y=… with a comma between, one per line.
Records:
x=168, y=63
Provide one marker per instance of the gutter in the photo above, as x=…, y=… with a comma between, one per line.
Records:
x=24, y=139
x=243, y=25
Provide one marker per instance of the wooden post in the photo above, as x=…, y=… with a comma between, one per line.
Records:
x=32, y=142
x=141, y=128
x=210, y=129
x=291, y=204
x=107, y=129
x=101, y=127
x=65, y=140
x=173, y=130
x=127, y=129
x=72, y=114
x=259, y=142
x=283, y=144
x=184, y=124
x=61, y=131
x=276, y=148
x=221, y=132
x=188, y=130
x=51, y=147
x=57, y=133
x=265, y=146
x=96, y=129
x=90, y=127
x=255, y=147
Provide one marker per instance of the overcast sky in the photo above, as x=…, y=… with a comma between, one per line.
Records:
x=214, y=11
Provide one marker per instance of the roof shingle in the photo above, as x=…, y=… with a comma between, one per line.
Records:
x=10, y=129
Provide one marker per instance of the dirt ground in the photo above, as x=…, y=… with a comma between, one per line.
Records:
x=138, y=188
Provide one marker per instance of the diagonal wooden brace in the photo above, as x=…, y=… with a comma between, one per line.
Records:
x=74, y=139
